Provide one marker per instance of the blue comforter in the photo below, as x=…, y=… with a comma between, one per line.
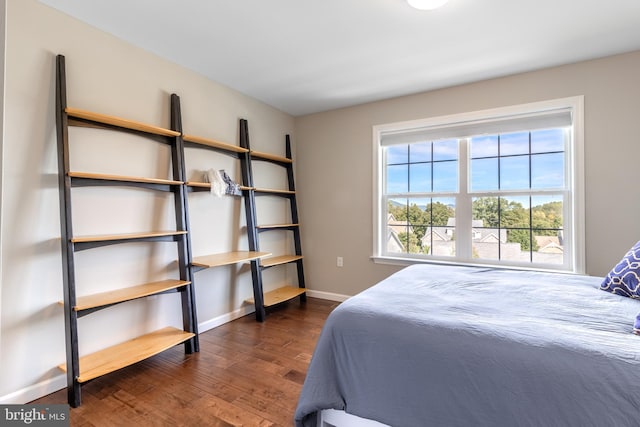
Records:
x=461, y=346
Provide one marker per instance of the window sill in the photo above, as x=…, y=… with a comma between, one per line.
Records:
x=381, y=259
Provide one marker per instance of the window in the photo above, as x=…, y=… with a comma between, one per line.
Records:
x=495, y=187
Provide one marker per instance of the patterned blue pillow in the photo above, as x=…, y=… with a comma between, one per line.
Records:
x=625, y=277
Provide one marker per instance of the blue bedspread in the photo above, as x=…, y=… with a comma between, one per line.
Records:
x=461, y=346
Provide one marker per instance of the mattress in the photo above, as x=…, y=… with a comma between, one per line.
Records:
x=462, y=346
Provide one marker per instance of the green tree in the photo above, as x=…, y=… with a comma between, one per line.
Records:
x=410, y=242
x=523, y=237
x=486, y=209
x=440, y=213
x=513, y=214
x=419, y=220
x=547, y=216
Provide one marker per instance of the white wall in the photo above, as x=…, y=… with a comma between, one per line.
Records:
x=109, y=76
x=335, y=175
x=3, y=6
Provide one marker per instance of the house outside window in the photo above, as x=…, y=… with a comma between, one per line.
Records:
x=496, y=187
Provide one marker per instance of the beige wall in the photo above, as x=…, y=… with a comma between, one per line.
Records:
x=109, y=76
x=335, y=164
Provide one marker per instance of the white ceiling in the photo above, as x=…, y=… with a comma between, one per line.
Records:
x=305, y=56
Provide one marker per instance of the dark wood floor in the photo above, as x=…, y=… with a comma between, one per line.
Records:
x=246, y=374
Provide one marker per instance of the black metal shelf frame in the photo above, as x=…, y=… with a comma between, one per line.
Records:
x=69, y=247
x=251, y=215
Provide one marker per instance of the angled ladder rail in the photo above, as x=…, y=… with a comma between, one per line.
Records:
x=262, y=300
x=226, y=258
x=81, y=369
x=250, y=215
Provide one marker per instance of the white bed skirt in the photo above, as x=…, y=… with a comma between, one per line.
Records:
x=335, y=418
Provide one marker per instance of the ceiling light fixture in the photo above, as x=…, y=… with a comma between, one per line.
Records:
x=426, y=4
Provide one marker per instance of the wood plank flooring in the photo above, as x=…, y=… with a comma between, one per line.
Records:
x=246, y=374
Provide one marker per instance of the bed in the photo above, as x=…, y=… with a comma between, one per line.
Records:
x=463, y=346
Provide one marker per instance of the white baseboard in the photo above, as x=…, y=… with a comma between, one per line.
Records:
x=225, y=318
x=35, y=391
x=327, y=295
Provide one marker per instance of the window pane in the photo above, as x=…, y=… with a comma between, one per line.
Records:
x=443, y=212
x=397, y=179
x=549, y=248
x=514, y=143
x=517, y=246
x=514, y=212
x=397, y=225
x=484, y=174
x=439, y=239
x=547, y=212
x=484, y=146
x=547, y=170
x=547, y=216
x=514, y=173
x=485, y=243
x=420, y=152
x=445, y=150
x=397, y=154
x=419, y=221
x=485, y=212
x=485, y=238
x=397, y=209
x=445, y=176
x=420, y=178
x=544, y=141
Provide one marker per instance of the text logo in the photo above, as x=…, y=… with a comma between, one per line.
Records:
x=34, y=415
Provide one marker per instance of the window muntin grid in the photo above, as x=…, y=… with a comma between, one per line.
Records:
x=422, y=167
x=522, y=163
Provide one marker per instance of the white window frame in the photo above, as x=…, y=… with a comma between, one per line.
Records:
x=574, y=224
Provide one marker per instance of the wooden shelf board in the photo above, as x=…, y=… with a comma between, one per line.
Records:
x=269, y=190
x=198, y=184
x=213, y=143
x=129, y=352
x=268, y=156
x=117, y=121
x=277, y=260
x=108, y=237
x=216, y=260
x=279, y=295
x=208, y=185
x=122, y=178
x=265, y=226
x=126, y=294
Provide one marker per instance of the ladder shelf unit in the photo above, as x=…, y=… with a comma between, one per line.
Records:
x=225, y=258
x=261, y=299
x=83, y=368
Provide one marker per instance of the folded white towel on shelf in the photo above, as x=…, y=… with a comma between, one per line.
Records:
x=221, y=183
x=218, y=186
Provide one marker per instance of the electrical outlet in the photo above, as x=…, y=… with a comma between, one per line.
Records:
x=339, y=262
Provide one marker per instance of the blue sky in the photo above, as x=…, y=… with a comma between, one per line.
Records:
x=544, y=160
